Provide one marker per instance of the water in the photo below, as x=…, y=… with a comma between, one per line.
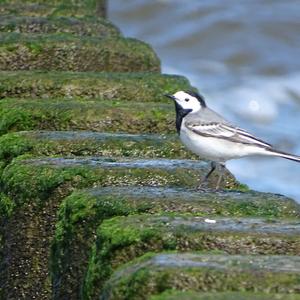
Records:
x=244, y=57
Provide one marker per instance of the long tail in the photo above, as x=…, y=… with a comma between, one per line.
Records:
x=289, y=156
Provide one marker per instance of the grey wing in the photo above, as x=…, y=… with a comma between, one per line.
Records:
x=225, y=131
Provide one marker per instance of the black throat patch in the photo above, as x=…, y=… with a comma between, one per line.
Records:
x=180, y=114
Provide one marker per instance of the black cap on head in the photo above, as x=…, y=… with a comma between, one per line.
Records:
x=199, y=97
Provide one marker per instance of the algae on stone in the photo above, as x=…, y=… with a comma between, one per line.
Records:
x=83, y=211
x=88, y=26
x=38, y=177
x=122, y=239
x=136, y=87
x=103, y=116
x=53, y=8
x=153, y=274
x=6, y=208
x=82, y=143
x=37, y=187
x=13, y=145
x=66, y=52
x=192, y=295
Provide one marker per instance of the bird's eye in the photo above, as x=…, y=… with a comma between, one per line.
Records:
x=186, y=99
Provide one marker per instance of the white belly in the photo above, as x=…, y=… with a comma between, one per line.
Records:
x=216, y=149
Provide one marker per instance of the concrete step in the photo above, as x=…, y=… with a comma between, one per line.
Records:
x=150, y=275
x=122, y=239
x=93, y=115
x=81, y=143
x=53, y=8
x=65, y=52
x=84, y=26
x=34, y=189
x=192, y=295
x=138, y=87
x=83, y=211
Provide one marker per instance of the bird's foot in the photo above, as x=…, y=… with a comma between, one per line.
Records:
x=203, y=186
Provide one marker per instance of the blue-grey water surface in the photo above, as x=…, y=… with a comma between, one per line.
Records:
x=244, y=57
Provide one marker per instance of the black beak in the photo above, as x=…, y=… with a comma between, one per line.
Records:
x=170, y=96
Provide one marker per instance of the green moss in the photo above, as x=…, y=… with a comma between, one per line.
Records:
x=138, y=87
x=74, y=236
x=2, y=166
x=121, y=239
x=202, y=273
x=10, y=119
x=84, y=3
x=97, y=115
x=243, y=187
x=79, y=216
x=66, y=143
x=37, y=187
x=104, y=116
x=83, y=211
x=192, y=295
x=37, y=178
x=13, y=145
x=6, y=207
x=66, y=52
x=54, y=8
x=90, y=26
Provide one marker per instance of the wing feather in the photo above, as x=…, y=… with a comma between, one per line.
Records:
x=226, y=132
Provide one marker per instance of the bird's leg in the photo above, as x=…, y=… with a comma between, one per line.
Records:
x=204, y=181
x=222, y=170
x=213, y=166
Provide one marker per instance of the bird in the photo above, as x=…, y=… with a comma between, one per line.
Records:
x=208, y=135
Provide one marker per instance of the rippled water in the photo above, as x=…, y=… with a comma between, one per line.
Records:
x=244, y=57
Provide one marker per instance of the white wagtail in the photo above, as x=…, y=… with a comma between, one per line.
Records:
x=210, y=136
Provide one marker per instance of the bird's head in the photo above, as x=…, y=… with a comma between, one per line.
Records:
x=187, y=100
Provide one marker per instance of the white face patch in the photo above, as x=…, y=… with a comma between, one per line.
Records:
x=187, y=101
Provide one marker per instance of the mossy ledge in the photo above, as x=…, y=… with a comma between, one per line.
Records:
x=88, y=26
x=38, y=177
x=37, y=187
x=66, y=52
x=82, y=212
x=83, y=143
x=53, y=8
x=122, y=239
x=153, y=274
x=99, y=116
x=137, y=87
x=192, y=295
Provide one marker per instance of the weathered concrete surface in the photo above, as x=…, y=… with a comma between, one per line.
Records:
x=53, y=8
x=26, y=178
x=121, y=239
x=82, y=212
x=64, y=52
x=136, y=87
x=191, y=295
x=100, y=116
x=37, y=187
x=86, y=26
x=203, y=272
x=80, y=143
